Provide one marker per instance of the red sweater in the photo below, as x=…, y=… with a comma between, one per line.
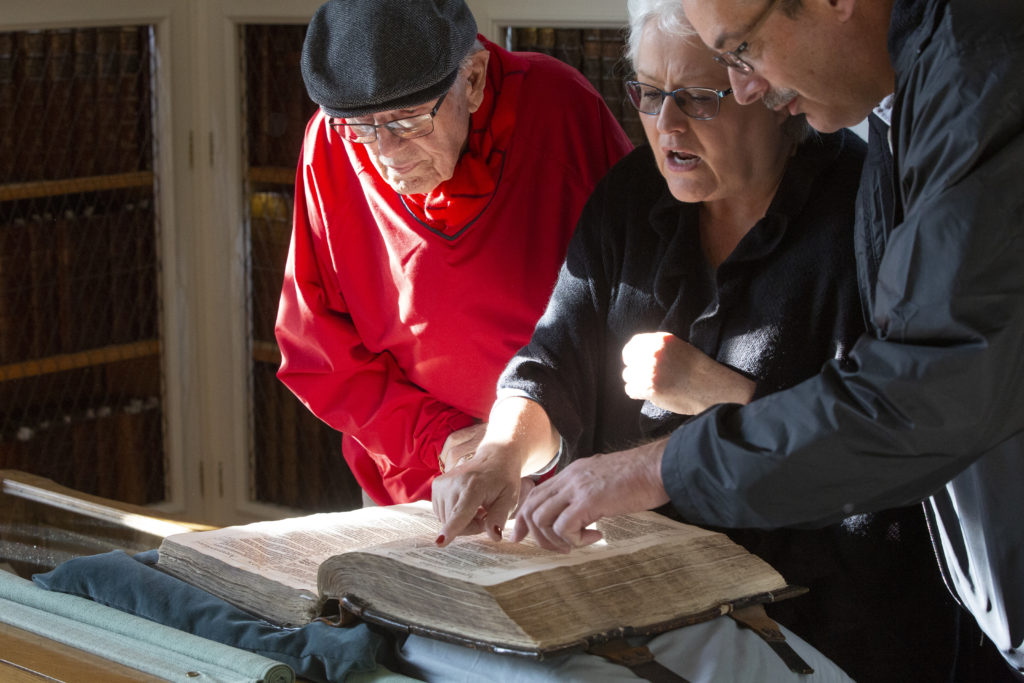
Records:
x=394, y=333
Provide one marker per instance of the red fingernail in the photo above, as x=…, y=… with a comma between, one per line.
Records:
x=440, y=540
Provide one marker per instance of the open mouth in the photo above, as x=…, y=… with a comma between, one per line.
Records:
x=681, y=159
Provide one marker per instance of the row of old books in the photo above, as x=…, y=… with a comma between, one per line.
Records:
x=297, y=460
x=74, y=102
x=596, y=52
x=277, y=106
x=270, y=220
x=112, y=449
x=77, y=279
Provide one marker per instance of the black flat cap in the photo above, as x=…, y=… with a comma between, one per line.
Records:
x=365, y=56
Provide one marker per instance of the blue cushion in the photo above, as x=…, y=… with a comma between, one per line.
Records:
x=317, y=651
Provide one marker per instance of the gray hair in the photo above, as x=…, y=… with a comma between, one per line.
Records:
x=670, y=19
x=467, y=60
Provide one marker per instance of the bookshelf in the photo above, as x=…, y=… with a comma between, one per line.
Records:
x=80, y=370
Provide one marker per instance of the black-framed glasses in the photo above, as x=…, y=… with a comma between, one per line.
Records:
x=407, y=128
x=731, y=58
x=697, y=103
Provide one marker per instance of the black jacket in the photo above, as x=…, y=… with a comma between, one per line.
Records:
x=782, y=304
x=933, y=401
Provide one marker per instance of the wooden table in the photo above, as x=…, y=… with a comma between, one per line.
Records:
x=42, y=524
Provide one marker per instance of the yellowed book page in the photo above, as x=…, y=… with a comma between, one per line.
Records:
x=478, y=560
x=290, y=551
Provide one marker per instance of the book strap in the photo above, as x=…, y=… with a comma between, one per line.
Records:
x=639, y=660
x=755, y=618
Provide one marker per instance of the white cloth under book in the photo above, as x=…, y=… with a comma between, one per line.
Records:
x=717, y=651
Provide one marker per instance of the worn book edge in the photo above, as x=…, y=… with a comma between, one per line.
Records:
x=362, y=609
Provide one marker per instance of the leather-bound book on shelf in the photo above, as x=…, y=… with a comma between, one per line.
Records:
x=145, y=271
x=60, y=108
x=108, y=118
x=130, y=100
x=16, y=315
x=124, y=273
x=569, y=46
x=8, y=90
x=258, y=98
x=45, y=280
x=31, y=107
x=592, y=57
x=83, y=93
x=612, y=69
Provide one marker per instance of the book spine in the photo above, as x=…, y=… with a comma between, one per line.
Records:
x=270, y=237
x=291, y=412
x=59, y=106
x=299, y=107
x=86, y=472
x=260, y=82
x=546, y=40
x=31, y=107
x=44, y=327
x=107, y=117
x=83, y=88
x=15, y=298
x=129, y=100
x=569, y=47
x=612, y=70
x=8, y=90
x=267, y=469
x=592, y=57
x=146, y=318
x=525, y=39
x=122, y=285
x=261, y=244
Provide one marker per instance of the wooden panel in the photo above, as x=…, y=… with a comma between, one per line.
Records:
x=27, y=657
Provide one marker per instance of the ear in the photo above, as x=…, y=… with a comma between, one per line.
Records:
x=842, y=9
x=476, y=79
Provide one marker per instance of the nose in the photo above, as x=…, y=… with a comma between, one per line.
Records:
x=671, y=117
x=387, y=142
x=747, y=87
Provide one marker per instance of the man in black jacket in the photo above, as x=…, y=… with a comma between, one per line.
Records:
x=931, y=404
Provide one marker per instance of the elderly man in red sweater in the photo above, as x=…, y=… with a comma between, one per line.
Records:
x=437, y=189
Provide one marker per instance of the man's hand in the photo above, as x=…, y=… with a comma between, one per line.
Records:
x=558, y=510
x=460, y=445
x=676, y=376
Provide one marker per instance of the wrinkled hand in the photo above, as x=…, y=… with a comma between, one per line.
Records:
x=557, y=512
x=676, y=376
x=478, y=495
x=460, y=445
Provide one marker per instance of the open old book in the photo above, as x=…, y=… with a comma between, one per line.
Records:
x=648, y=575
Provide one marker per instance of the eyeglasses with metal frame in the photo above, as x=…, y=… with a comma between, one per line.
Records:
x=408, y=128
x=697, y=103
x=731, y=58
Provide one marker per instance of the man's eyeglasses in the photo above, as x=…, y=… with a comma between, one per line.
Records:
x=407, y=128
x=697, y=103
x=731, y=58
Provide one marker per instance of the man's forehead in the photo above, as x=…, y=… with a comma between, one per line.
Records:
x=721, y=22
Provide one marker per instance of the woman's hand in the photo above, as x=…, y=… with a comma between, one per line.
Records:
x=676, y=376
x=480, y=492
x=460, y=445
